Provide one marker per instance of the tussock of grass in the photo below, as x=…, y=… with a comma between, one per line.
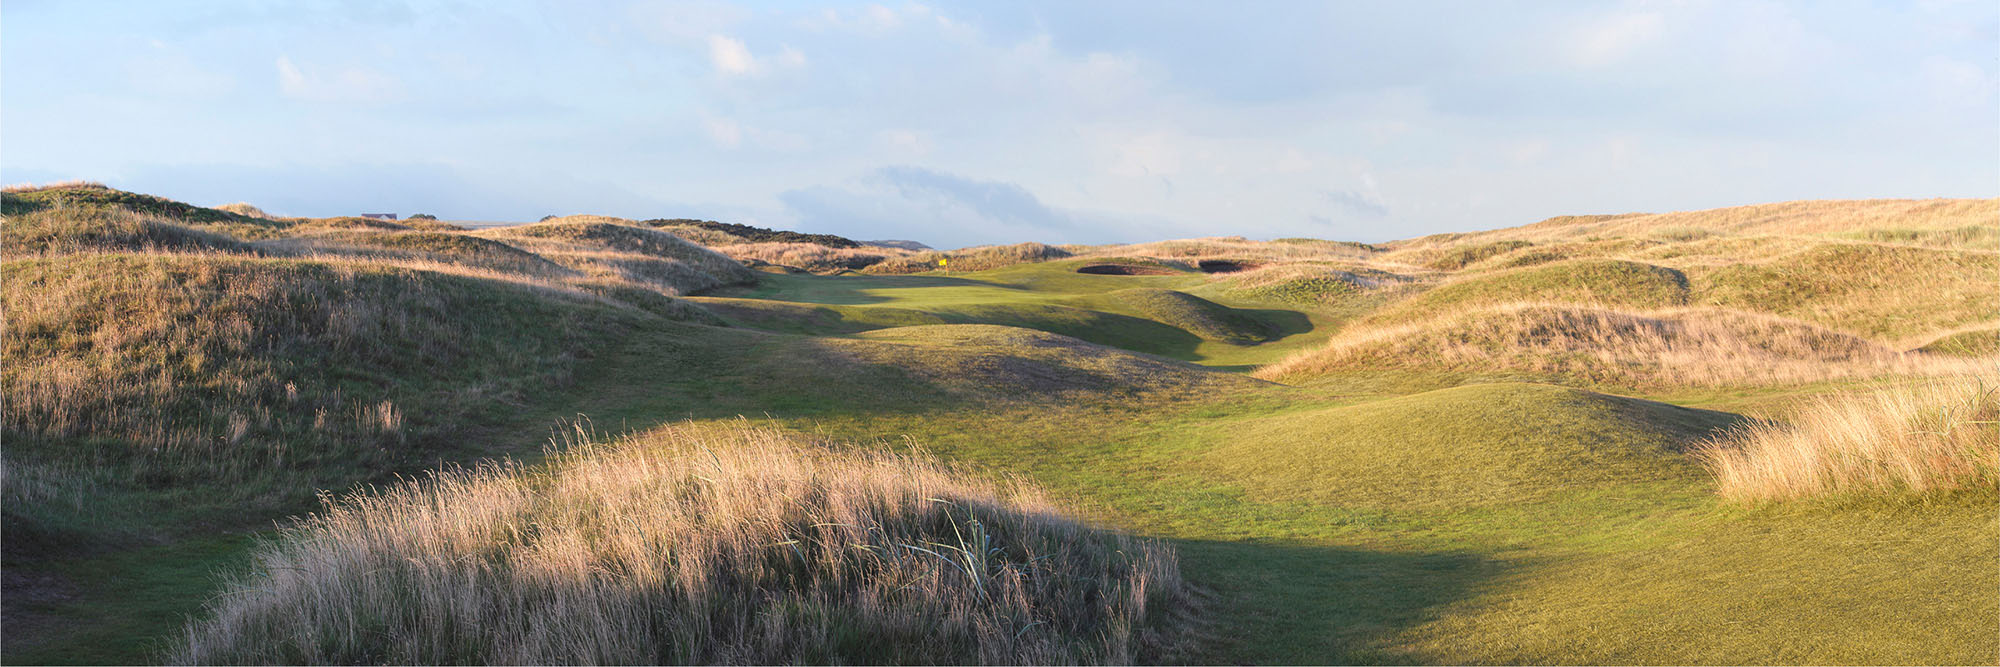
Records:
x=61, y=229
x=1606, y=282
x=245, y=209
x=697, y=547
x=1678, y=347
x=1478, y=444
x=1937, y=435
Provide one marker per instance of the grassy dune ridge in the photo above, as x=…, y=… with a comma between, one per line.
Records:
x=698, y=546
x=1523, y=445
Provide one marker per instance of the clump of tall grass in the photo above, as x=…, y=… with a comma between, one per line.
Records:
x=697, y=545
x=1936, y=435
x=246, y=209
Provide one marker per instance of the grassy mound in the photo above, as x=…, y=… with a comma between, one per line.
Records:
x=697, y=547
x=1464, y=446
x=346, y=224
x=971, y=259
x=1928, y=437
x=1459, y=257
x=989, y=362
x=100, y=197
x=191, y=372
x=1981, y=341
x=61, y=229
x=634, y=240
x=456, y=248
x=815, y=319
x=1307, y=284
x=1689, y=347
x=1606, y=282
x=1874, y=290
x=1196, y=315
x=749, y=234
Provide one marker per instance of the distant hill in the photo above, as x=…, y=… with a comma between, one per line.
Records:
x=895, y=243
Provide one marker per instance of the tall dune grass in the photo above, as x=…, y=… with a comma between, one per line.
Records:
x=1597, y=344
x=696, y=545
x=1942, y=434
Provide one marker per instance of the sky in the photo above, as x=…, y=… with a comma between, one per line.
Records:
x=963, y=124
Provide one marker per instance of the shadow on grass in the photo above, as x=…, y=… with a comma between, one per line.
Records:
x=1303, y=604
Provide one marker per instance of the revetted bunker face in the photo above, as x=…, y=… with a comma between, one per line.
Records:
x=1224, y=266
x=1124, y=270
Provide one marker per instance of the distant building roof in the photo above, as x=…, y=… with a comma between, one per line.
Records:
x=379, y=216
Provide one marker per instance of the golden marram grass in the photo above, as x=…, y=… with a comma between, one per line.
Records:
x=1929, y=436
x=697, y=545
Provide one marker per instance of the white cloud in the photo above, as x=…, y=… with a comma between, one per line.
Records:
x=352, y=84
x=1611, y=39
x=731, y=57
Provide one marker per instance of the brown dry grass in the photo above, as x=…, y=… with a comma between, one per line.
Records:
x=1931, y=436
x=812, y=256
x=19, y=188
x=696, y=545
x=1679, y=347
x=1813, y=217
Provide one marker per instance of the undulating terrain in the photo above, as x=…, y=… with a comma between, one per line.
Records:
x=1763, y=434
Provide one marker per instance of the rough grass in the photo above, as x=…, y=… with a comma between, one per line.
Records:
x=1308, y=284
x=1976, y=341
x=60, y=228
x=1479, y=444
x=591, y=239
x=449, y=247
x=94, y=196
x=811, y=256
x=1598, y=346
x=201, y=370
x=697, y=547
x=1458, y=257
x=1602, y=282
x=1887, y=292
x=1934, y=436
x=970, y=259
x=1793, y=218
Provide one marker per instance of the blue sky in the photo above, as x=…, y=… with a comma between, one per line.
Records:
x=959, y=124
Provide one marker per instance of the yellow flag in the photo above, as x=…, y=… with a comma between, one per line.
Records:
x=940, y=261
